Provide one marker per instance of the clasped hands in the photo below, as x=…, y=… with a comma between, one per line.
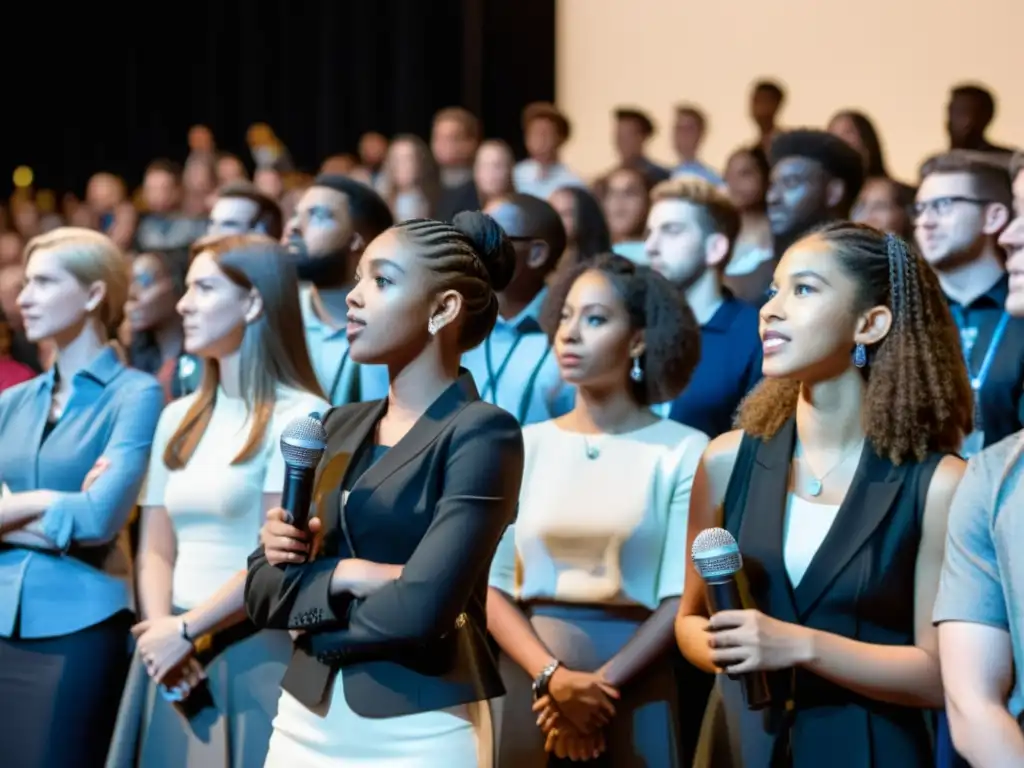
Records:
x=573, y=714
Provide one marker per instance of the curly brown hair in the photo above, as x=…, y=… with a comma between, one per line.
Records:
x=671, y=333
x=918, y=399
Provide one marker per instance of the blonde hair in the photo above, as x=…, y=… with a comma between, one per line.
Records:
x=90, y=257
x=273, y=347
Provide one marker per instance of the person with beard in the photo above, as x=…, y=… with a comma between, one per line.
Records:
x=815, y=179
x=334, y=221
x=514, y=367
x=691, y=229
x=963, y=203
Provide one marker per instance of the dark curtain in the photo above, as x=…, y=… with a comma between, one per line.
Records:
x=91, y=90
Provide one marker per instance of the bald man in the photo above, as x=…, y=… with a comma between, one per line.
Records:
x=515, y=367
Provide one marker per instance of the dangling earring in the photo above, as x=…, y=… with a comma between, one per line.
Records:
x=860, y=356
x=636, y=373
x=433, y=326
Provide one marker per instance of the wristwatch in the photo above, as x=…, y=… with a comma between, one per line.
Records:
x=183, y=629
x=540, y=683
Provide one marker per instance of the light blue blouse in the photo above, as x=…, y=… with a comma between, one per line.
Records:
x=112, y=412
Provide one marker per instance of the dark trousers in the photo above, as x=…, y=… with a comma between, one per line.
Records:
x=945, y=755
x=60, y=695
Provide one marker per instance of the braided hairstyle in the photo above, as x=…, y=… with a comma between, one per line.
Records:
x=471, y=256
x=671, y=332
x=918, y=399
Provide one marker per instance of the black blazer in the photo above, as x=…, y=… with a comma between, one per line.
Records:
x=437, y=502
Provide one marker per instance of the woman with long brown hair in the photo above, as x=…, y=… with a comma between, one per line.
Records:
x=216, y=467
x=836, y=487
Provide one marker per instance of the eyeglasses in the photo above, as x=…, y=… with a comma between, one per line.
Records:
x=943, y=205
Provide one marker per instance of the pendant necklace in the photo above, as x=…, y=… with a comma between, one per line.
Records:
x=815, y=485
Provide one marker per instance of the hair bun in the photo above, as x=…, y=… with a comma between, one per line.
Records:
x=492, y=246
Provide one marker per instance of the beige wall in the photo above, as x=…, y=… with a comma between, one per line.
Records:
x=894, y=59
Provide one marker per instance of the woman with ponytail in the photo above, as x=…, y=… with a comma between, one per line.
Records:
x=837, y=487
x=392, y=664
x=65, y=579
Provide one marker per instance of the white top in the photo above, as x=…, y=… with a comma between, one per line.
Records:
x=602, y=518
x=216, y=508
x=807, y=525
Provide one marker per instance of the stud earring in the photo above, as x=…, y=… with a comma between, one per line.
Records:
x=433, y=326
x=636, y=373
x=860, y=356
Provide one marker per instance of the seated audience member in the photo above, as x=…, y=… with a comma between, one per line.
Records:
x=65, y=574
x=157, y=339
x=625, y=203
x=980, y=606
x=240, y=208
x=963, y=203
x=334, y=221
x=514, y=368
x=687, y=136
x=492, y=171
x=165, y=225
x=454, y=139
x=857, y=130
x=886, y=204
x=746, y=181
x=691, y=229
x=545, y=130
x=409, y=181
x=970, y=112
x=586, y=231
x=815, y=179
x=633, y=129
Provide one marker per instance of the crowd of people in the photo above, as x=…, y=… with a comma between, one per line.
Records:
x=537, y=392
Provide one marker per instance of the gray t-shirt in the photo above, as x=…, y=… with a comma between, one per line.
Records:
x=983, y=572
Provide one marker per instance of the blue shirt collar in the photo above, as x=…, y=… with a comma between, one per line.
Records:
x=104, y=367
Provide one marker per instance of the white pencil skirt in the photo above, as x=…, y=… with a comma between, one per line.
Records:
x=337, y=737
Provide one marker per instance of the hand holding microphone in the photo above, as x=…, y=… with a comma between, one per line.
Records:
x=717, y=558
x=288, y=532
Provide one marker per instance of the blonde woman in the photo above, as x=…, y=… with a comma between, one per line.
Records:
x=65, y=583
x=205, y=684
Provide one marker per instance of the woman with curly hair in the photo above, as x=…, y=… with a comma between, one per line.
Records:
x=586, y=585
x=837, y=487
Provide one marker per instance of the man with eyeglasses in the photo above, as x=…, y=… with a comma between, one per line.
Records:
x=963, y=204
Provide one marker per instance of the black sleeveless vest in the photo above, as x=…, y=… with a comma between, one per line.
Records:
x=860, y=584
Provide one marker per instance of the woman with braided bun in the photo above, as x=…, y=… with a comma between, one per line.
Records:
x=837, y=487
x=392, y=663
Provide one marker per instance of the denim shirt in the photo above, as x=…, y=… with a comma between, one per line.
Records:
x=112, y=413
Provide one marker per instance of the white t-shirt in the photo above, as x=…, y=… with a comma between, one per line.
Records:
x=602, y=518
x=216, y=507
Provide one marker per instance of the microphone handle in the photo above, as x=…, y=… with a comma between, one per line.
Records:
x=297, y=494
x=724, y=595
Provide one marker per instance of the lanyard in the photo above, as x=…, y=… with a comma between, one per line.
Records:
x=494, y=377
x=978, y=379
x=337, y=377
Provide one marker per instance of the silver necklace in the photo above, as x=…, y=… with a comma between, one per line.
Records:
x=592, y=450
x=816, y=485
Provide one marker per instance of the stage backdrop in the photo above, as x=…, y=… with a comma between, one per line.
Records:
x=894, y=60
x=89, y=89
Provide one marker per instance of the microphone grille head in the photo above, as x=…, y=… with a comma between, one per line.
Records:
x=303, y=442
x=716, y=554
